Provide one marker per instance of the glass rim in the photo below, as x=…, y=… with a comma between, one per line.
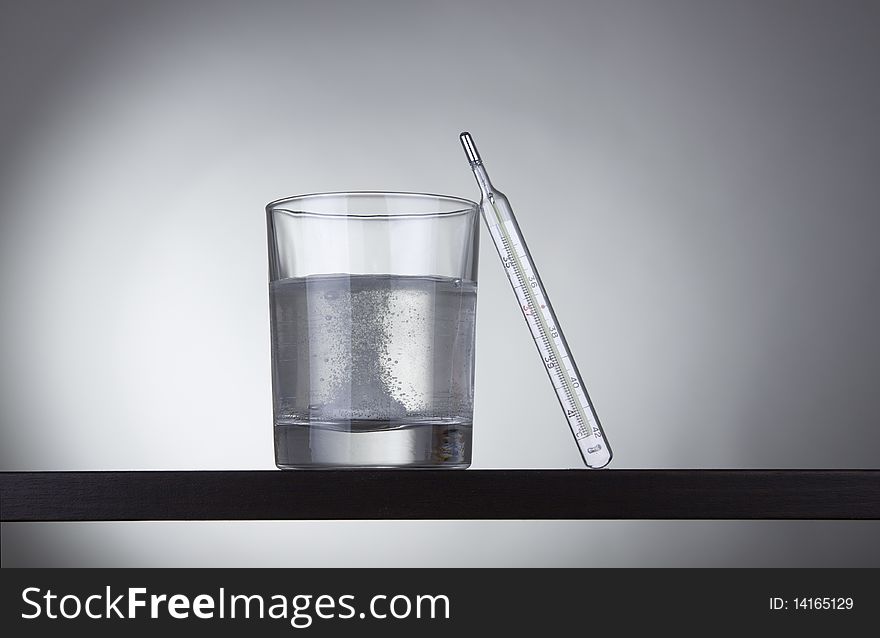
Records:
x=464, y=205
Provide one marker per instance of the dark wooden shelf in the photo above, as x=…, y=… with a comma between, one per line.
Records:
x=429, y=494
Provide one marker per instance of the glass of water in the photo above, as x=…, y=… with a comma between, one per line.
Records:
x=372, y=305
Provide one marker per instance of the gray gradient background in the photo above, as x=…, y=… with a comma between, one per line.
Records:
x=698, y=182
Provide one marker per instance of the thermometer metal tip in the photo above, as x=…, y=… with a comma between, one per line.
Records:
x=470, y=148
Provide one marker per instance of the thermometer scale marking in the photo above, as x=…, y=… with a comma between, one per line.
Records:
x=537, y=314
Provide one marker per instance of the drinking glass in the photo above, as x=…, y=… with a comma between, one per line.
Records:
x=372, y=308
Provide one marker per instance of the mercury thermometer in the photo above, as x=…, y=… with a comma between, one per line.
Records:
x=539, y=315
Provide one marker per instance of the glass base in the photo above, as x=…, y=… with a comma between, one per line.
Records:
x=366, y=444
